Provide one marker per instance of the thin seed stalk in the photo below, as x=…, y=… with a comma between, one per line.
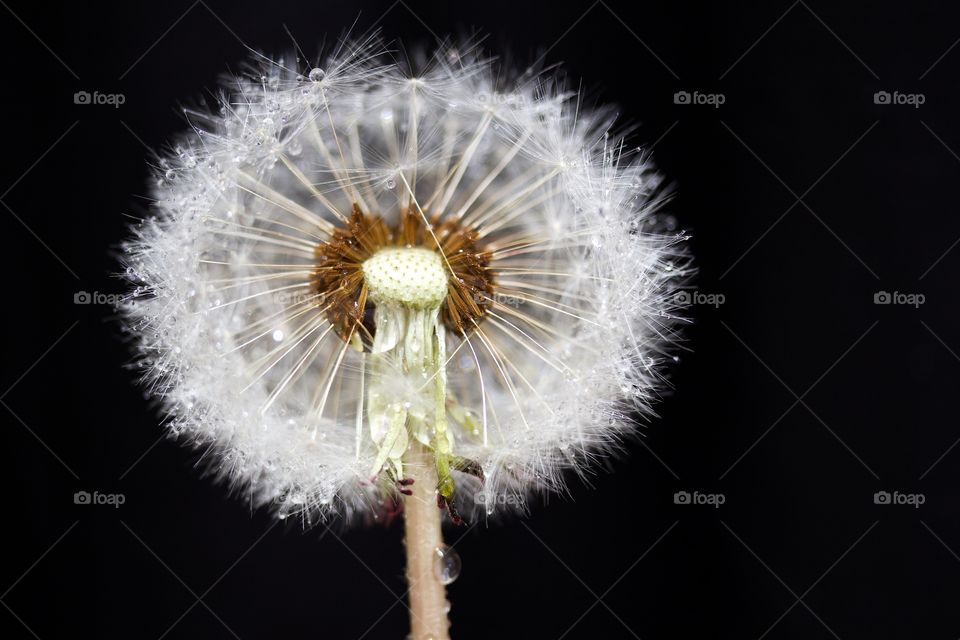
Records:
x=423, y=536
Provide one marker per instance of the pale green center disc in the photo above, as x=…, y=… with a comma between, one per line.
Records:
x=414, y=277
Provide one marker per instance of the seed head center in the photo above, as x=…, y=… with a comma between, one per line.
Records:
x=411, y=276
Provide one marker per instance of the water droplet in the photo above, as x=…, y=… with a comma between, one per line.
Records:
x=316, y=74
x=446, y=564
x=391, y=183
x=278, y=335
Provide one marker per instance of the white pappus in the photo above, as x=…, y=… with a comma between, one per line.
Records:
x=352, y=260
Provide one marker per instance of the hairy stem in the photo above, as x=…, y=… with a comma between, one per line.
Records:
x=423, y=535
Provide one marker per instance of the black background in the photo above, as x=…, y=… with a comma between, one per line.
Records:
x=800, y=399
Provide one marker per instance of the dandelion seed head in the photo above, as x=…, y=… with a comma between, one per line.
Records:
x=349, y=259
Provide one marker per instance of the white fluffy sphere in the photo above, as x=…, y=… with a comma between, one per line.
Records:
x=256, y=327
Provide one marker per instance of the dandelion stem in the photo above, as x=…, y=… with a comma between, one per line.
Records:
x=423, y=536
